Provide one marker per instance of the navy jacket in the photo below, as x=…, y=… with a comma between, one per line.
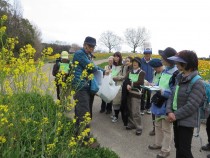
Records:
x=148, y=70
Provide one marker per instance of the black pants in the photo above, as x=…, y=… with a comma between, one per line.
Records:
x=145, y=99
x=91, y=104
x=58, y=91
x=124, y=105
x=183, y=140
x=106, y=106
x=81, y=108
x=208, y=128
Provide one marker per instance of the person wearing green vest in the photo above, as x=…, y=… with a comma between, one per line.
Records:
x=62, y=66
x=163, y=128
x=157, y=65
x=118, y=77
x=183, y=106
x=134, y=80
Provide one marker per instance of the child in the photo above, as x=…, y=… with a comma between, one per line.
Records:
x=134, y=81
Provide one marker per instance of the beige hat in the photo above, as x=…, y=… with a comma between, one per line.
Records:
x=64, y=55
x=110, y=58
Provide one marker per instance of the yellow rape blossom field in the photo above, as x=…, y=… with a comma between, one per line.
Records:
x=32, y=123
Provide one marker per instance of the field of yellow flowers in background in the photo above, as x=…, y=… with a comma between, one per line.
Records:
x=203, y=65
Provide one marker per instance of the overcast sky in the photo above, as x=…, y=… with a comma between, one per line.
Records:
x=181, y=24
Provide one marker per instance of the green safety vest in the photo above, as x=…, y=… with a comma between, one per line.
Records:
x=164, y=81
x=175, y=98
x=156, y=78
x=134, y=77
x=64, y=67
x=114, y=73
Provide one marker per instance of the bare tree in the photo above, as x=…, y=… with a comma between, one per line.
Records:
x=74, y=48
x=136, y=38
x=110, y=40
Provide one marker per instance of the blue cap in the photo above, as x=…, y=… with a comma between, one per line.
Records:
x=90, y=40
x=148, y=51
x=177, y=59
x=155, y=63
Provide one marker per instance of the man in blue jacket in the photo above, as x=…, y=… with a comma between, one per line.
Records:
x=145, y=101
x=82, y=86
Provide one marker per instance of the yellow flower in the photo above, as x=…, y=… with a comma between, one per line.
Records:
x=45, y=120
x=50, y=146
x=4, y=18
x=2, y=139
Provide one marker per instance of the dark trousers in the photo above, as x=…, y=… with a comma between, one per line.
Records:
x=145, y=99
x=58, y=91
x=91, y=104
x=183, y=140
x=124, y=105
x=208, y=128
x=153, y=120
x=106, y=106
x=81, y=108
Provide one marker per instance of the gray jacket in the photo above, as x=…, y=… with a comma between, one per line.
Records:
x=187, y=103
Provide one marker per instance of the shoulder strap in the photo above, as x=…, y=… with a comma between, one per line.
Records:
x=193, y=80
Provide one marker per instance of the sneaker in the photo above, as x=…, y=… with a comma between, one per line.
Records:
x=138, y=132
x=154, y=147
x=148, y=111
x=142, y=112
x=112, y=117
x=152, y=133
x=163, y=154
x=206, y=147
x=115, y=119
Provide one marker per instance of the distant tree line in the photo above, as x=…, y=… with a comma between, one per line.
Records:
x=27, y=33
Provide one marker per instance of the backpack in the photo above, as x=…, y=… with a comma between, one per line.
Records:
x=64, y=68
x=204, y=109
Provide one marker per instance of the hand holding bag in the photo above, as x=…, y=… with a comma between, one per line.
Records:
x=108, y=90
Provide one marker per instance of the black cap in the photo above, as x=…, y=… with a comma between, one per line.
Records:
x=138, y=60
x=90, y=40
x=168, y=52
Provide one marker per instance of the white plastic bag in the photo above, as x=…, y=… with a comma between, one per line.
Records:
x=108, y=90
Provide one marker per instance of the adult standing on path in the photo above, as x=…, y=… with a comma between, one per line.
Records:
x=82, y=86
x=183, y=106
x=145, y=101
